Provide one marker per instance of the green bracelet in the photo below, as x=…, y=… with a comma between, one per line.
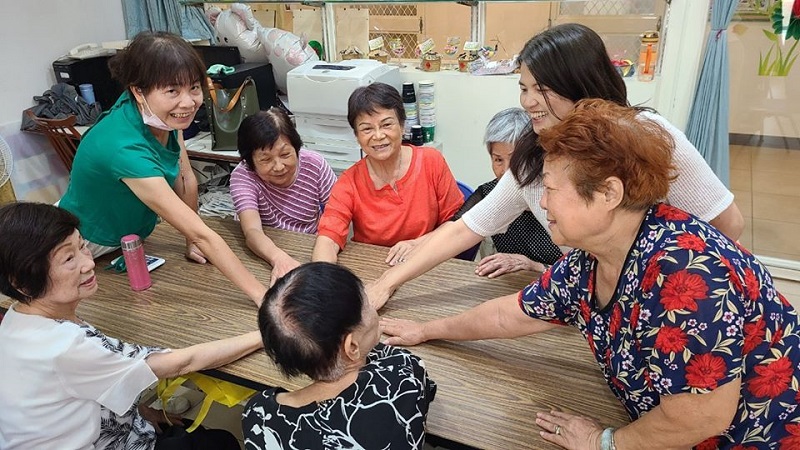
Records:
x=607, y=440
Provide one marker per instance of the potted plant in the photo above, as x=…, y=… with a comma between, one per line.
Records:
x=776, y=62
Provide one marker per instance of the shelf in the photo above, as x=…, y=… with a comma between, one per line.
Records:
x=318, y=3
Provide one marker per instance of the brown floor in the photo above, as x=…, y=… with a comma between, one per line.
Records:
x=766, y=183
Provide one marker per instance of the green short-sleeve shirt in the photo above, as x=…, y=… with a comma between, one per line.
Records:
x=118, y=146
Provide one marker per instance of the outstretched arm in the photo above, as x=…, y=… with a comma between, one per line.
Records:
x=207, y=355
x=450, y=239
x=499, y=318
x=159, y=196
x=186, y=188
x=263, y=246
x=325, y=249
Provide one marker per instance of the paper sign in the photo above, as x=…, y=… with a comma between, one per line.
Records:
x=376, y=44
x=471, y=46
x=426, y=46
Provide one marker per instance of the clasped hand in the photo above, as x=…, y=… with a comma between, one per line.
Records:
x=193, y=253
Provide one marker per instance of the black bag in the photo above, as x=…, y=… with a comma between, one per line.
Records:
x=58, y=102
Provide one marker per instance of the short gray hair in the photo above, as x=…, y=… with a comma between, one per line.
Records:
x=506, y=126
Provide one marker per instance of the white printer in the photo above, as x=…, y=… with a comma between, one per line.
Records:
x=318, y=92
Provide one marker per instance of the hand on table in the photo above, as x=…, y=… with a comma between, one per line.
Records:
x=194, y=254
x=569, y=431
x=401, y=251
x=157, y=417
x=281, y=266
x=377, y=294
x=501, y=263
x=401, y=332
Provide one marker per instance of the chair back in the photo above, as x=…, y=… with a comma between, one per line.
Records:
x=470, y=253
x=465, y=190
x=62, y=136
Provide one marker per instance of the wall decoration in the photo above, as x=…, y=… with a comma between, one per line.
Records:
x=753, y=10
x=785, y=35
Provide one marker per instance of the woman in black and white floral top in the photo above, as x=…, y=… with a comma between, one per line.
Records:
x=317, y=321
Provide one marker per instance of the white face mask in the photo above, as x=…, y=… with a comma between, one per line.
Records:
x=151, y=119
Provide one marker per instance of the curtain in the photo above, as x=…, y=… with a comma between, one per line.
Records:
x=708, y=118
x=188, y=21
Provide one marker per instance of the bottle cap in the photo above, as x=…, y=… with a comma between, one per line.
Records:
x=650, y=36
x=130, y=242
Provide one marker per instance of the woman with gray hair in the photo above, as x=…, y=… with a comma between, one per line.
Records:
x=526, y=245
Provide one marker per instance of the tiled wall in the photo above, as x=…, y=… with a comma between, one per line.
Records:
x=766, y=183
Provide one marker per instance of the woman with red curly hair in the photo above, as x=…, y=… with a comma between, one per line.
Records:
x=686, y=326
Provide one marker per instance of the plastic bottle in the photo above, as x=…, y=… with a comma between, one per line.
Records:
x=648, y=55
x=133, y=252
x=410, y=106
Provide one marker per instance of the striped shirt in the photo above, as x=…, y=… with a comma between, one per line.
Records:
x=293, y=208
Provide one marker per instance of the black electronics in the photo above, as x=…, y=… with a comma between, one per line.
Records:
x=219, y=54
x=261, y=73
x=93, y=71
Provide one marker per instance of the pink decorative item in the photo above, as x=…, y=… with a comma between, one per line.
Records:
x=237, y=27
x=285, y=51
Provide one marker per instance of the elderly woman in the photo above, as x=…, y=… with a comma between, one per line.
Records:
x=394, y=195
x=686, y=326
x=559, y=67
x=278, y=184
x=316, y=321
x=132, y=167
x=66, y=384
x=526, y=245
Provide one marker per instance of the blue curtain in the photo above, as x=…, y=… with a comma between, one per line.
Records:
x=708, y=119
x=166, y=15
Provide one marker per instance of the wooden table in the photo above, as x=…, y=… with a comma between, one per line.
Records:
x=489, y=391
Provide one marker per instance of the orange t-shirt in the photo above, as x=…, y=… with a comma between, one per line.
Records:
x=427, y=196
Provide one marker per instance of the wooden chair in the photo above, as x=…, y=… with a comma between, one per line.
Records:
x=62, y=136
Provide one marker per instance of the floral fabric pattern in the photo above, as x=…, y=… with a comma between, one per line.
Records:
x=691, y=312
x=129, y=431
x=385, y=408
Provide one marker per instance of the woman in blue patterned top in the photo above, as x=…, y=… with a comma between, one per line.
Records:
x=316, y=321
x=686, y=326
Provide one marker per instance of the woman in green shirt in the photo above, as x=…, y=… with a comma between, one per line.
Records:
x=131, y=166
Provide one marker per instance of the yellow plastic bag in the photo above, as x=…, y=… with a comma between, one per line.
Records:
x=216, y=390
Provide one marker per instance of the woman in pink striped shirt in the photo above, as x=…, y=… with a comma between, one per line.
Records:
x=277, y=184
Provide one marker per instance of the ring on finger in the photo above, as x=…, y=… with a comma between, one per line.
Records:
x=558, y=430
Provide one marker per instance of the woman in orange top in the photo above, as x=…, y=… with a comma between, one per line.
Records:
x=396, y=193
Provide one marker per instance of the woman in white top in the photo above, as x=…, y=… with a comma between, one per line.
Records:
x=66, y=385
x=559, y=67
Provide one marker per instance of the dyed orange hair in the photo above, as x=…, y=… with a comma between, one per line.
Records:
x=603, y=139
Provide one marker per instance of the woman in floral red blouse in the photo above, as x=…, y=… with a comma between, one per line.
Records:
x=685, y=325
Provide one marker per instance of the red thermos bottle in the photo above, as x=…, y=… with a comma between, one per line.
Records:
x=133, y=252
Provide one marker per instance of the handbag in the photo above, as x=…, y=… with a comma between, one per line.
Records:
x=226, y=109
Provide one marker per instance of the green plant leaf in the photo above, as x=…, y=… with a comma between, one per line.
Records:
x=776, y=14
x=770, y=35
x=763, y=62
x=789, y=65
